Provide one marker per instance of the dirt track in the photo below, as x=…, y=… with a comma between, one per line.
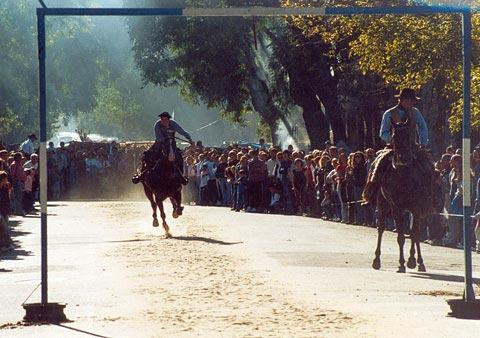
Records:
x=225, y=274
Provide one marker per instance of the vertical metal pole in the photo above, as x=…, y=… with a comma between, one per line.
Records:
x=469, y=294
x=43, y=151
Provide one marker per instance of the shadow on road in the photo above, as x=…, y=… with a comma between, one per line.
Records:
x=204, y=239
x=17, y=252
x=129, y=240
x=441, y=277
x=56, y=204
x=81, y=331
x=38, y=215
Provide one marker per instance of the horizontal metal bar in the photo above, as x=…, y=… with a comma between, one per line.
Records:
x=396, y=10
x=108, y=11
x=255, y=11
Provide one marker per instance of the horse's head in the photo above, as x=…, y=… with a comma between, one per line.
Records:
x=402, y=141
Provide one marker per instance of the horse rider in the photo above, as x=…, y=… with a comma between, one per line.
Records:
x=404, y=112
x=165, y=129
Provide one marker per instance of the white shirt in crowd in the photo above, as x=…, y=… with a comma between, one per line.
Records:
x=28, y=147
x=271, y=166
x=30, y=165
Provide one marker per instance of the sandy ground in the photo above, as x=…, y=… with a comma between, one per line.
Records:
x=224, y=274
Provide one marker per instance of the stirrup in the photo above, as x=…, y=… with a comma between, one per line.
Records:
x=136, y=179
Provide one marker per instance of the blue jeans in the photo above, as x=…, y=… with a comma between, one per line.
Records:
x=222, y=188
x=241, y=196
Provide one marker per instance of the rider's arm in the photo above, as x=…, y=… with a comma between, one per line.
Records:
x=181, y=131
x=422, y=128
x=158, y=132
x=386, y=127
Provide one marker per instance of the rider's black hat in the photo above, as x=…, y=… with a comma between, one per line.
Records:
x=408, y=93
x=165, y=114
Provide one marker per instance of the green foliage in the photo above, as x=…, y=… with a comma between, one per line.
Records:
x=404, y=50
x=204, y=56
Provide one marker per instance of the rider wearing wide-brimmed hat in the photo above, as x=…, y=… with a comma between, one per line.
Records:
x=404, y=112
x=165, y=129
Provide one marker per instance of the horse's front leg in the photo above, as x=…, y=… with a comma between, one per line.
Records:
x=381, y=210
x=164, y=222
x=150, y=197
x=412, y=262
x=416, y=231
x=401, y=242
x=176, y=199
x=381, y=228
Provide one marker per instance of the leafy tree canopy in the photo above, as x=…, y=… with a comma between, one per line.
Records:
x=404, y=50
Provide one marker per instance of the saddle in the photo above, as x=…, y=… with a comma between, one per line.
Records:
x=385, y=159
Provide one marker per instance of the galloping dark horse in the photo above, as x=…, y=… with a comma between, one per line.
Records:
x=160, y=183
x=404, y=186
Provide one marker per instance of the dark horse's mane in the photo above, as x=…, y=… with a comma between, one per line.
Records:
x=159, y=184
x=404, y=186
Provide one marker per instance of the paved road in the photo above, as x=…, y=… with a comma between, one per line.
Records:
x=225, y=274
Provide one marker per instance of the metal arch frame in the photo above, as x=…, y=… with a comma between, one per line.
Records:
x=466, y=13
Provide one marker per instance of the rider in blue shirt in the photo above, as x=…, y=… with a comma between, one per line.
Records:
x=404, y=111
x=407, y=101
x=165, y=130
x=165, y=126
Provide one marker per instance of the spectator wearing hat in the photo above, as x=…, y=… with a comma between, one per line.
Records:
x=28, y=146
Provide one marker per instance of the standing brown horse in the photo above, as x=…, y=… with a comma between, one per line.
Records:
x=160, y=183
x=405, y=185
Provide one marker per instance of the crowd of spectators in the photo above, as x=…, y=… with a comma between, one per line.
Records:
x=326, y=183
x=82, y=170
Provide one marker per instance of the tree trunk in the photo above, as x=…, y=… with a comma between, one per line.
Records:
x=315, y=124
x=328, y=96
x=262, y=100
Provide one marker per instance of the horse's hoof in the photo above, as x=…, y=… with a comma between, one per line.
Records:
x=421, y=268
x=175, y=214
x=401, y=269
x=412, y=263
x=376, y=264
x=168, y=235
x=155, y=222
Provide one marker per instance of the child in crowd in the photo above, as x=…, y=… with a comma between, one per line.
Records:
x=204, y=178
x=276, y=206
x=6, y=242
x=28, y=197
x=241, y=190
